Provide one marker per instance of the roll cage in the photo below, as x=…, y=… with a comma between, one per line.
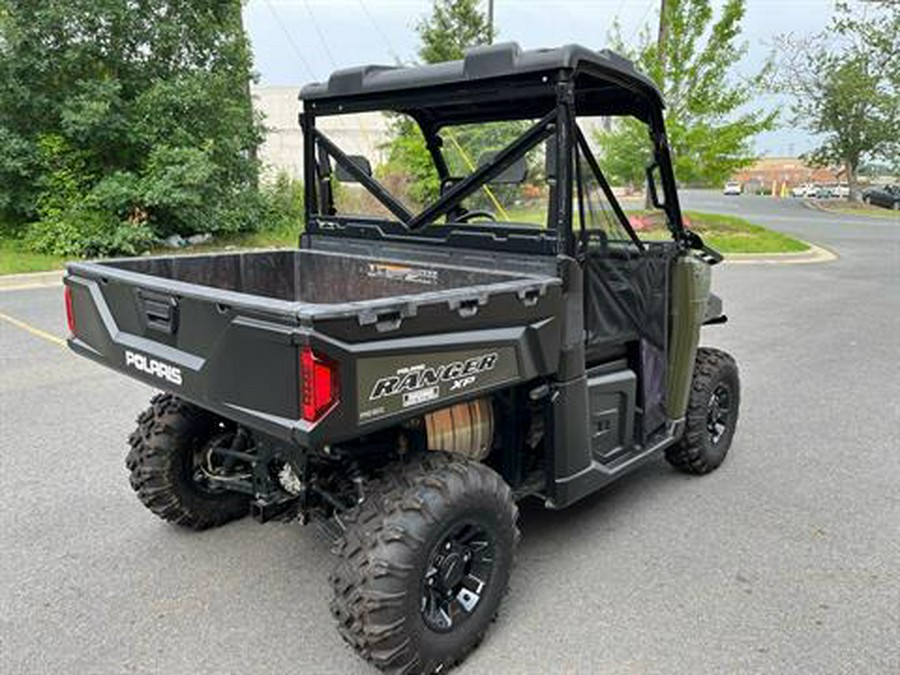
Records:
x=497, y=83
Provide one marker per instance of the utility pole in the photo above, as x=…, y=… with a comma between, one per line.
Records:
x=253, y=150
x=661, y=36
x=490, y=22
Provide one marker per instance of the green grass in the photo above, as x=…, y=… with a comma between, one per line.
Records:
x=14, y=259
x=268, y=239
x=862, y=210
x=731, y=234
x=524, y=215
x=727, y=234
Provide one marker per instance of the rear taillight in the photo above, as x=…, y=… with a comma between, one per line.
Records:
x=319, y=385
x=70, y=315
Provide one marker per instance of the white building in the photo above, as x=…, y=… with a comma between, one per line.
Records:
x=363, y=134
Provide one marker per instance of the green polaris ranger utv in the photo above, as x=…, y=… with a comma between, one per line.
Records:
x=411, y=371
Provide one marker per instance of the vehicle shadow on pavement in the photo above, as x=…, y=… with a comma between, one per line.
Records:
x=538, y=523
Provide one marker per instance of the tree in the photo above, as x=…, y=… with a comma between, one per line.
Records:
x=845, y=86
x=124, y=120
x=708, y=121
x=454, y=26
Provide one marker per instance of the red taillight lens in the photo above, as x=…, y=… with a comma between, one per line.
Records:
x=70, y=315
x=319, y=385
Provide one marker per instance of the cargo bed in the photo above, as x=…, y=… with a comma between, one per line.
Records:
x=313, y=283
x=224, y=330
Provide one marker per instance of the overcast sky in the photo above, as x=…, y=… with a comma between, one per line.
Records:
x=297, y=41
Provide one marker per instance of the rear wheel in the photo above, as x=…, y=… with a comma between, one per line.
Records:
x=712, y=414
x=170, y=460
x=425, y=561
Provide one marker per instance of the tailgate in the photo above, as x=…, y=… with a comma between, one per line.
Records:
x=228, y=352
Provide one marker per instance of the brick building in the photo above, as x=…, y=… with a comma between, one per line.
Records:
x=790, y=170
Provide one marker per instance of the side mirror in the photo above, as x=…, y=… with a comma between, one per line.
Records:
x=344, y=176
x=654, y=186
x=514, y=174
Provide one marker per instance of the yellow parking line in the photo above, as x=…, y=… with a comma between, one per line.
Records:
x=37, y=332
x=28, y=287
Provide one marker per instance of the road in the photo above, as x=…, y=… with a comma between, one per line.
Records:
x=786, y=560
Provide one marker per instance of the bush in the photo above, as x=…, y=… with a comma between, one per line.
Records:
x=125, y=212
x=83, y=232
x=281, y=205
x=106, y=222
x=111, y=143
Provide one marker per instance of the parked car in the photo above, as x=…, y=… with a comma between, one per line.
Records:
x=825, y=192
x=887, y=196
x=841, y=191
x=732, y=188
x=804, y=191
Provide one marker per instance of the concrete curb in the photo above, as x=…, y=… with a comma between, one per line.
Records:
x=21, y=282
x=815, y=254
x=815, y=206
x=887, y=215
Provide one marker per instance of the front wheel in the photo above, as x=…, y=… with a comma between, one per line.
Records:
x=712, y=414
x=424, y=563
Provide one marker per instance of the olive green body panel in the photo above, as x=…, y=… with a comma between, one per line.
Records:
x=691, y=282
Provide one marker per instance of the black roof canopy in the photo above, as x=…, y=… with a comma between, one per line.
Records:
x=496, y=82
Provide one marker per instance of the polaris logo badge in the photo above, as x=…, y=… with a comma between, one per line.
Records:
x=145, y=364
x=460, y=373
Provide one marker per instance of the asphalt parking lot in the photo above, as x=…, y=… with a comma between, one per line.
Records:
x=786, y=560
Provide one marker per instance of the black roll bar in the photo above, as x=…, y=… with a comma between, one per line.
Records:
x=372, y=185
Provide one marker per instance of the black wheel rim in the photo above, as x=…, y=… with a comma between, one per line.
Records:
x=718, y=413
x=459, y=570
